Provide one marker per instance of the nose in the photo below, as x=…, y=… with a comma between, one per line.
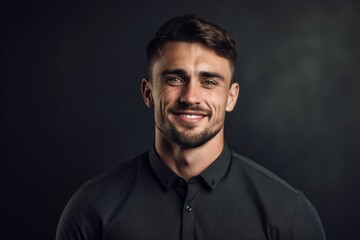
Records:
x=190, y=94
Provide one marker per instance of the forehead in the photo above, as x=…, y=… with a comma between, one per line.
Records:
x=192, y=58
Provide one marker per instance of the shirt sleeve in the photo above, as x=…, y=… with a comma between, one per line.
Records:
x=77, y=220
x=305, y=223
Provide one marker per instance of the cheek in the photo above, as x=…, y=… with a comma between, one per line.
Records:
x=165, y=98
x=168, y=95
x=217, y=103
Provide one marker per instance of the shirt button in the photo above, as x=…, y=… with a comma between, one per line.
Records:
x=188, y=208
x=180, y=182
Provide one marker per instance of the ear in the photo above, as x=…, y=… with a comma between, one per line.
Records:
x=146, y=91
x=232, y=96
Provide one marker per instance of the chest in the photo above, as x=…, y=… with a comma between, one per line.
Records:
x=199, y=214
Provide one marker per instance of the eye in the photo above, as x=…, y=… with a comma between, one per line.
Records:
x=174, y=80
x=209, y=82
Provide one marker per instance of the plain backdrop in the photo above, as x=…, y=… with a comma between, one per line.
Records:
x=71, y=105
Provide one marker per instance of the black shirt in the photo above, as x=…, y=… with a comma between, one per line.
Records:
x=234, y=198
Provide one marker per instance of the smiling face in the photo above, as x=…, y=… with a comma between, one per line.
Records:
x=190, y=90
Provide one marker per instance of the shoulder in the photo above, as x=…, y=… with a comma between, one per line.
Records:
x=282, y=203
x=264, y=188
x=260, y=175
x=96, y=198
x=119, y=177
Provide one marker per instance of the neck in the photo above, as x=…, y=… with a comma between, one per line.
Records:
x=188, y=162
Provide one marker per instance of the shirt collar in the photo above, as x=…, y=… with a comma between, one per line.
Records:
x=211, y=175
x=164, y=174
x=217, y=169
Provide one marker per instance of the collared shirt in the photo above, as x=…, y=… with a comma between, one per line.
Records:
x=234, y=198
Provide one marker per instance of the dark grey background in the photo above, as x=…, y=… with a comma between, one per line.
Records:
x=71, y=105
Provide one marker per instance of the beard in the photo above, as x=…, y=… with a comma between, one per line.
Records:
x=187, y=138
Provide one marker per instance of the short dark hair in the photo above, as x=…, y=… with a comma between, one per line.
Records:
x=192, y=28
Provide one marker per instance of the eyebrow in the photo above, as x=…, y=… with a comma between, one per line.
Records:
x=182, y=72
x=205, y=74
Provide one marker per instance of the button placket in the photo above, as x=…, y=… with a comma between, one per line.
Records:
x=188, y=212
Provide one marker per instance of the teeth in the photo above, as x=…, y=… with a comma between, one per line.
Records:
x=191, y=116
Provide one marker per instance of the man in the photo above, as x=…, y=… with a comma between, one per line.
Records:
x=191, y=185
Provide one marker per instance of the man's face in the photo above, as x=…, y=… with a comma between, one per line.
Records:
x=190, y=92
